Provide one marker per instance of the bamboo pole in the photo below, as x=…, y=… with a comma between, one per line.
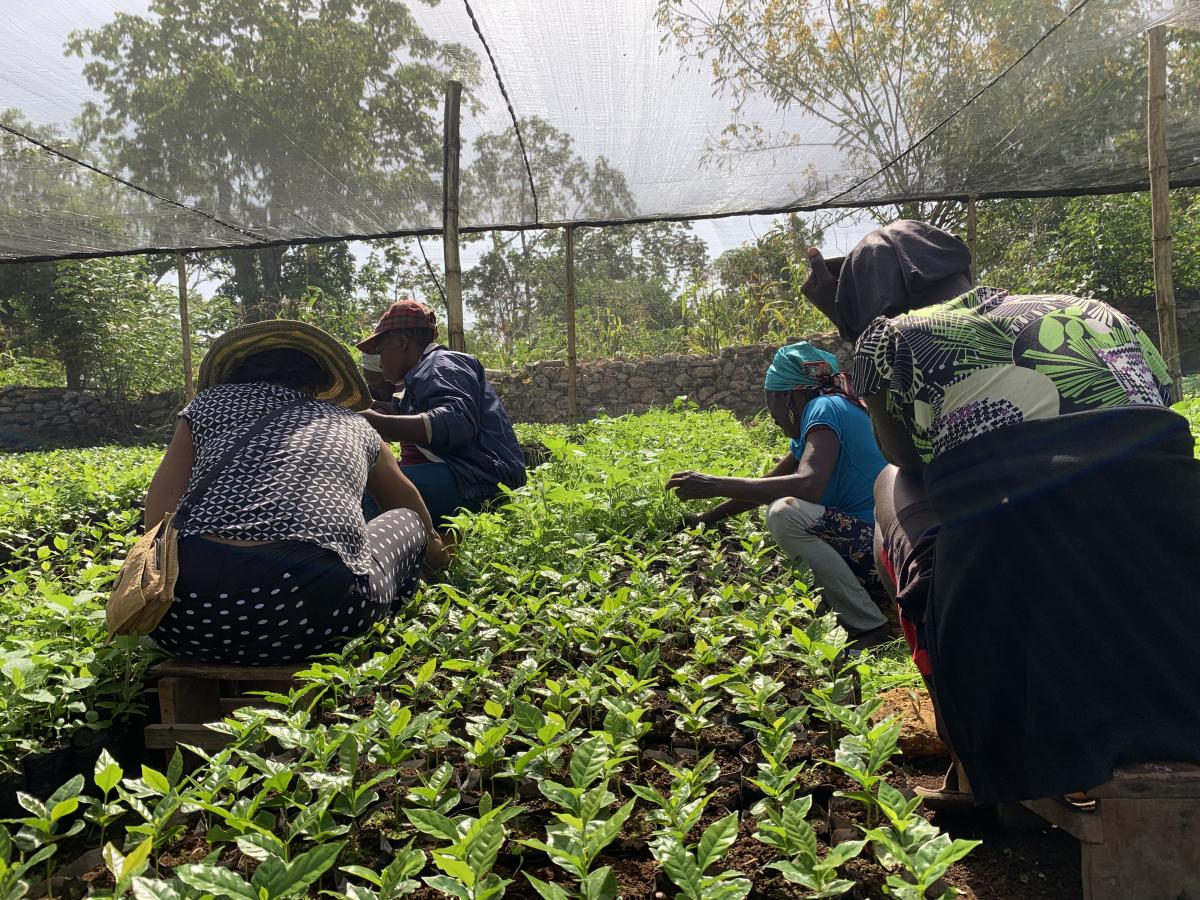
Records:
x=572, y=373
x=185, y=328
x=1160, y=202
x=452, y=147
x=972, y=238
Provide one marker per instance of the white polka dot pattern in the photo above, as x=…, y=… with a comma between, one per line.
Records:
x=335, y=607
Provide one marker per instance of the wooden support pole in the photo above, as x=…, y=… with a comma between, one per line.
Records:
x=185, y=328
x=452, y=147
x=972, y=242
x=572, y=373
x=1160, y=202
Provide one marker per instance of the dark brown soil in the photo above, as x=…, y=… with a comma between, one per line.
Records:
x=1013, y=865
x=1010, y=864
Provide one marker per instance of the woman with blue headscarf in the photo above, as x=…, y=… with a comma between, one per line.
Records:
x=821, y=507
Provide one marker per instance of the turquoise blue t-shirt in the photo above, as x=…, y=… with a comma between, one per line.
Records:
x=851, y=487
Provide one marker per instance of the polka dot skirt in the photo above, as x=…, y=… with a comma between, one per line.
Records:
x=286, y=601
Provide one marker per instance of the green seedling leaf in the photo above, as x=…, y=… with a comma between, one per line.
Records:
x=679, y=865
x=285, y=879
x=528, y=717
x=108, y=772
x=426, y=671
x=155, y=889
x=448, y=885
x=716, y=840
x=599, y=885
x=432, y=823
x=548, y=890
x=455, y=868
x=365, y=874
x=155, y=780
x=587, y=762
x=260, y=846
x=216, y=880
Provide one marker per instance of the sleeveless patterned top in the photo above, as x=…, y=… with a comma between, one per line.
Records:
x=301, y=478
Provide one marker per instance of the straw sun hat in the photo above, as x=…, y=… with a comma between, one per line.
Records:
x=227, y=352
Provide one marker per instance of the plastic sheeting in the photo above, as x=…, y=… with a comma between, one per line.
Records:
x=141, y=125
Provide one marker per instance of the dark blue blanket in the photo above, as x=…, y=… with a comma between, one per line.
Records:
x=1065, y=610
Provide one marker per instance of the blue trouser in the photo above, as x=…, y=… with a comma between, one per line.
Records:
x=437, y=487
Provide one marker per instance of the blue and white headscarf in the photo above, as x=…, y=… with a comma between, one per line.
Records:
x=802, y=365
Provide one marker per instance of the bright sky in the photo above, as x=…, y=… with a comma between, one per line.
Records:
x=36, y=33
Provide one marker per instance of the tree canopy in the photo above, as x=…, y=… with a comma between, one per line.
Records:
x=262, y=112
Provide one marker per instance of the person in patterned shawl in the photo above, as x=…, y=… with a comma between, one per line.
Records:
x=1038, y=520
x=820, y=507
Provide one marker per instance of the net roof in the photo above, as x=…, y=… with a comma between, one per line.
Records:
x=141, y=125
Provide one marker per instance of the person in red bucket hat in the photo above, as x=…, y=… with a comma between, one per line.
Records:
x=458, y=444
x=401, y=315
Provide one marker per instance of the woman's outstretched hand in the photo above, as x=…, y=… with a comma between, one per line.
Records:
x=439, y=551
x=693, y=485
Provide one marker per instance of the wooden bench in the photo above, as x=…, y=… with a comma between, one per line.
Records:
x=1142, y=839
x=192, y=694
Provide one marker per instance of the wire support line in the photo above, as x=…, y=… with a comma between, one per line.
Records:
x=62, y=154
x=435, y=231
x=970, y=100
x=429, y=268
x=508, y=102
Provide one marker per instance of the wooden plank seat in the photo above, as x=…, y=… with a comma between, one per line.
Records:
x=1142, y=837
x=191, y=694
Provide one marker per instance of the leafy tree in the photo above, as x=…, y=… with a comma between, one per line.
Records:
x=274, y=114
x=111, y=327
x=1088, y=246
x=47, y=199
x=873, y=76
x=769, y=271
x=630, y=275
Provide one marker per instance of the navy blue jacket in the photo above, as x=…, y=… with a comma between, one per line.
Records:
x=469, y=428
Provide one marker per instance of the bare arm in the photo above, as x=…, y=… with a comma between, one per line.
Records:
x=893, y=438
x=786, y=466
x=807, y=482
x=391, y=489
x=413, y=429
x=170, y=479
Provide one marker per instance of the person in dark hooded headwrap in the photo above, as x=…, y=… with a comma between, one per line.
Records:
x=1058, y=646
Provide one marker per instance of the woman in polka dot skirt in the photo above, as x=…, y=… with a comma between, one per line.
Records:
x=276, y=562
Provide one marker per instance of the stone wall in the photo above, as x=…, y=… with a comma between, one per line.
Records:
x=56, y=417
x=731, y=380
x=31, y=418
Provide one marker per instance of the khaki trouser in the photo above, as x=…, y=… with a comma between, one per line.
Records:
x=790, y=522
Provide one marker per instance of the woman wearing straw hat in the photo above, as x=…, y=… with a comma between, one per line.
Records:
x=822, y=509
x=276, y=563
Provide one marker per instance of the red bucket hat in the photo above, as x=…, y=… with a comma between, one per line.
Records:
x=401, y=314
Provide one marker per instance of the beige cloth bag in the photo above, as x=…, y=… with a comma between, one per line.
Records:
x=145, y=587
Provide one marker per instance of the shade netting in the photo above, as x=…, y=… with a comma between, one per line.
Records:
x=139, y=125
